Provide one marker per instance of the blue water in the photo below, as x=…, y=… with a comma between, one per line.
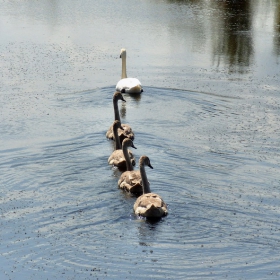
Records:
x=211, y=133
x=63, y=216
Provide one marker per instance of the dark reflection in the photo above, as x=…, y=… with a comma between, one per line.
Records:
x=147, y=230
x=135, y=96
x=183, y=1
x=232, y=36
x=128, y=98
x=229, y=25
x=277, y=29
x=123, y=110
x=152, y=222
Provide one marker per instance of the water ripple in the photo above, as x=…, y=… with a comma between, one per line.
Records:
x=214, y=166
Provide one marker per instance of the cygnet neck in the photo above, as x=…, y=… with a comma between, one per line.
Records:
x=125, y=145
x=145, y=182
x=116, y=109
x=116, y=135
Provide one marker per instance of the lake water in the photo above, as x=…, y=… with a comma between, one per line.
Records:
x=208, y=119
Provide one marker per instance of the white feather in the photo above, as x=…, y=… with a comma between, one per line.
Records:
x=129, y=85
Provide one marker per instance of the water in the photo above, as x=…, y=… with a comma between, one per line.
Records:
x=208, y=119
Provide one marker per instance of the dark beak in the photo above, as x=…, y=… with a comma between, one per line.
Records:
x=133, y=146
x=150, y=166
x=121, y=128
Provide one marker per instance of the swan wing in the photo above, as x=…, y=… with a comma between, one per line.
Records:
x=117, y=158
x=129, y=85
x=131, y=181
x=126, y=133
x=150, y=205
x=132, y=158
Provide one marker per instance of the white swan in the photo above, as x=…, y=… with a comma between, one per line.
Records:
x=127, y=85
x=149, y=205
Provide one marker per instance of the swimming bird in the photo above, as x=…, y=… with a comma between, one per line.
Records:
x=127, y=85
x=126, y=132
x=121, y=154
x=130, y=180
x=149, y=205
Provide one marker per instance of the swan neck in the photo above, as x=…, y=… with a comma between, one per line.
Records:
x=116, y=110
x=124, y=67
x=129, y=166
x=146, y=185
x=117, y=138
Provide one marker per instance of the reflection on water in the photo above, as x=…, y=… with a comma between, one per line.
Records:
x=129, y=98
x=276, y=38
x=225, y=29
x=232, y=37
x=123, y=110
x=148, y=230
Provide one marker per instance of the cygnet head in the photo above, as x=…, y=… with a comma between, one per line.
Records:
x=128, y=143
x=144, y=160
x=123, y=53
x=118, y=96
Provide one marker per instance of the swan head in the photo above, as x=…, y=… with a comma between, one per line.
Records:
x=128, y=143
x=123, y=53
x=144, y=160
x=118, y=96
x=116, y=125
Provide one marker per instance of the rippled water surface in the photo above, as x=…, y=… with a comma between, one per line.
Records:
x=208, y=119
